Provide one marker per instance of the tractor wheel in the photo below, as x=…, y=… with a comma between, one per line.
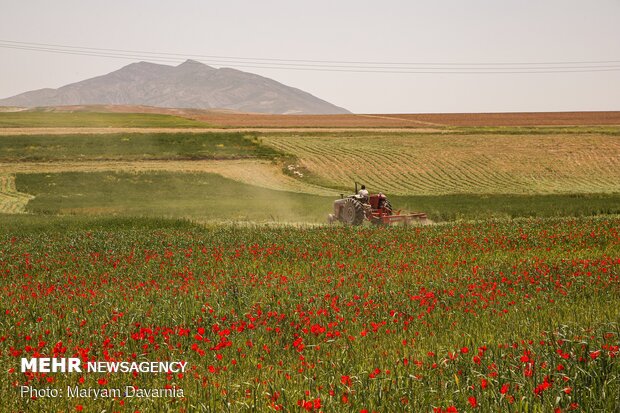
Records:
x=352, y=212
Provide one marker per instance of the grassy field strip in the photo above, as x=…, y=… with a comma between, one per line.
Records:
x=86, y=131
x=106, y=130
x=209, y=197
x=200, y=196
x=11, y=201
x=443, y=164
x=258, y=173
x=44, y=119
x=133, y=147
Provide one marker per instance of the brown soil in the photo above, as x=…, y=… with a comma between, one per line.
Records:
x=412, y=120
x=517, y=119
x=231, y=119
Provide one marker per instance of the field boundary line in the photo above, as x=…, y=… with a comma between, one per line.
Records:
x=418, y=122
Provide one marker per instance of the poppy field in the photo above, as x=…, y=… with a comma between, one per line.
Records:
x=497, y=315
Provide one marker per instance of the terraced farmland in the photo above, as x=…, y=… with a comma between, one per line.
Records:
x=449, y=172
x=434, y=164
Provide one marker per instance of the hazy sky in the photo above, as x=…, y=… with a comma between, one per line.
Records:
x=515, y=32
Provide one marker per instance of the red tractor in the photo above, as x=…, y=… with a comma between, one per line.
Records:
x=355, y=209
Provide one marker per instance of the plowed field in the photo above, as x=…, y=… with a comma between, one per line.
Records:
x=439, y=164
x=410, y=120
x=229, y=119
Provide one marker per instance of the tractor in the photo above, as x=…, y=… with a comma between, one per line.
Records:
x=376, y=208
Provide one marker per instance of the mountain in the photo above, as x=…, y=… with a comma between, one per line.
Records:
x=189, y=85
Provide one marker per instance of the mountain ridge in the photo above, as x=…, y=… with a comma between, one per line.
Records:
x=190, y=84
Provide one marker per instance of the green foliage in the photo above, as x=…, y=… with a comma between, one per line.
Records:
x=494, y=315
x=200, y=196
x=472, y=206
x=520, y=315
x=132, y=147
x=44, y=223
x=210, y=197
x=94, y=120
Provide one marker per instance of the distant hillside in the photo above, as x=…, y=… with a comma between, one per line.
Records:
x=189, y=85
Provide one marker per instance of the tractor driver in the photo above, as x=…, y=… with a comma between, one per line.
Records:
x=363, y=193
